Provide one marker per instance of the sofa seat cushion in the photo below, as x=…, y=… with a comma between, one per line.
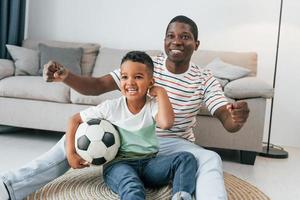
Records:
x=34, y=87
x=90, y=51
x=78, y=98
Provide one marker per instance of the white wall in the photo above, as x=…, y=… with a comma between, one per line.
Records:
x=286, y=121
x=232, y=25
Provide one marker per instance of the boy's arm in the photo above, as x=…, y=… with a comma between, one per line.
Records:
x=165, y=113
x=75, y=161
x=55, y=72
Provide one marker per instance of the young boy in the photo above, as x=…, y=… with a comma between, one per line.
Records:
x=135, y=114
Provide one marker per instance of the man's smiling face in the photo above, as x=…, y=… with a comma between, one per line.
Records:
x=180, y=42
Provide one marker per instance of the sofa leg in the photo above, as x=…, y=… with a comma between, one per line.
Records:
x=247, y=157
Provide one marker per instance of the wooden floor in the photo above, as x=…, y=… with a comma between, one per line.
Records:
x=278, y=178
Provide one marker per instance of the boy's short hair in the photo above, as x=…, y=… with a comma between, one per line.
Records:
x=185, y=20
x=141, y=57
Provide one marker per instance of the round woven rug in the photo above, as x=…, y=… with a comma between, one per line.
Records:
x=87, y=184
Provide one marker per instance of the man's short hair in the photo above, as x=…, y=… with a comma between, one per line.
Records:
x=141, y=57
x=185, y=20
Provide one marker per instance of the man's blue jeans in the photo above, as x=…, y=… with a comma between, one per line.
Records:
x=128, y=178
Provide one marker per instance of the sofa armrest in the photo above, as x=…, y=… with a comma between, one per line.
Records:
x=248, y=87
x=6, y=68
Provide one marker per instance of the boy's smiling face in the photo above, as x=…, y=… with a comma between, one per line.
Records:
x=135, y=80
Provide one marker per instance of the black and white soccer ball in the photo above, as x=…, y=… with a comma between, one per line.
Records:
x=97, y=141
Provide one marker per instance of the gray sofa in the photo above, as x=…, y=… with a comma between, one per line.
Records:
x=30, y=102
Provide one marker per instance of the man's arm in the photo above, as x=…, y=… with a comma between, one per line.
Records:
x=233, y=115
x=165, y=113
x=55, y=72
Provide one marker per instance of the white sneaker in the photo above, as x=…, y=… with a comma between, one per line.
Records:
x=3, y=192
x=182, y=196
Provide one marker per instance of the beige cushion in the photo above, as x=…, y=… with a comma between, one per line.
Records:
x=109, y=59
x=223, y=70
x=243, y=59
x=26, y=60
x=6, y=68
x=248, y=87
x=78, y=98
x=34, y=87
x=90, y=51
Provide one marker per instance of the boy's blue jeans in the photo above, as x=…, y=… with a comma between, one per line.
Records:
x=127, y=178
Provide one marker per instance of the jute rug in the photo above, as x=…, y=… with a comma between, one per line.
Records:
x=87, y=184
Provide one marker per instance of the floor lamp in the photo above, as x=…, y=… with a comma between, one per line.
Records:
x=270, y=150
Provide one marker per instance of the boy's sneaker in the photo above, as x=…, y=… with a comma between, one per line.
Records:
x=3, y=192
x=182, y=196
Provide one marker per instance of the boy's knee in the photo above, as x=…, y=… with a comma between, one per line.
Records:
x=189, y=157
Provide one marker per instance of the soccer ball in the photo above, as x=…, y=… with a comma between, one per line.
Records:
x=97, y=141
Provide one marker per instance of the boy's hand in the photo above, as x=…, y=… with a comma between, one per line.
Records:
x=54, y=72
x=154, y=91
x=76, y=162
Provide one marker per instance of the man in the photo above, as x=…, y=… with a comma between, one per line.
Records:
x=181, y=40
x=187, y=86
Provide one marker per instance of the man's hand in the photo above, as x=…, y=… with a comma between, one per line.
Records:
x=239, y=112
x=54, y=72
x=233, y=115
x=76, y=162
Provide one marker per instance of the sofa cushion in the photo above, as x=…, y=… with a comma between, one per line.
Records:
x=78, y=98
x=247, y=60
x=248, y=87
x=90, y=51
x=109, y=59
x=228, y=71
x=6, y=68
x=68, y=57
x=34, y=87
x=26, y=60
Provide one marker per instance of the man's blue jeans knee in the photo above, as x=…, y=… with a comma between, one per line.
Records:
x=37, y=173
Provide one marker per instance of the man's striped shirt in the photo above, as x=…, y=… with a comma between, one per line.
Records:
x=187, y=92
